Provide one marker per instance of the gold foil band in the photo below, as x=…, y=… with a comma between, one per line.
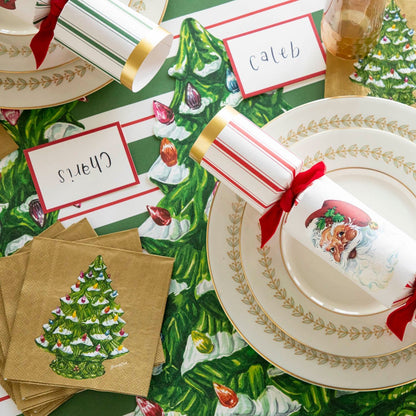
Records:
x=139, y=54
x=211, y=132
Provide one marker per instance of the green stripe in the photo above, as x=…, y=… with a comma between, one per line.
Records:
x=125, y=224
x=115, y=95
x=178, y=8
x=91, y=42
x=132, y=13
x=102, y=19
x=144, y=152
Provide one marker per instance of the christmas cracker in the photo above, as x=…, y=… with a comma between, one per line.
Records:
x=325, y=218
x=122, y=43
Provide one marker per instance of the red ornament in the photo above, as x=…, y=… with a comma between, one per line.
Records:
x=192, y=97
x=392, y=71
x=160, y=216
x=77, y=284
x=226, y=396
x=42, y=338
x=355, y=75
x=83, y=299
x=163, y=113
x=371, y=78
x=12, y=116
x=168, y=152
x=67, y=297
x=149, y=408
x=8, y=4
x=84, y=337
x=59, y=343
x=106, y=309
x=121, y=332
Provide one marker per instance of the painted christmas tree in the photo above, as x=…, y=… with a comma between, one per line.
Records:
x=389, y=70
x=21, y=215
x=87, y=327
x=199, y=340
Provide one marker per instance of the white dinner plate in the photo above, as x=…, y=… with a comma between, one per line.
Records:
x=381, y=169
x=63, y=77
x=303, y=295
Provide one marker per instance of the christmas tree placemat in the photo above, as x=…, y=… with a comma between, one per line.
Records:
x=81, y=336
x=7, y=144
x=389, y=70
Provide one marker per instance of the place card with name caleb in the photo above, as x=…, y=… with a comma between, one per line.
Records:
x=80, y=167
x=277, y=55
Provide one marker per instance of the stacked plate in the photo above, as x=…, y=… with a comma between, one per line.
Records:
x=62, y=77
x=289, y=305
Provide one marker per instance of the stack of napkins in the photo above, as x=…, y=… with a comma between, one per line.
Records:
x=80, y=311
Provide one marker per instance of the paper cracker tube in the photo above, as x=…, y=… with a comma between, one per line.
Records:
x=124, y=44
x=322, y=216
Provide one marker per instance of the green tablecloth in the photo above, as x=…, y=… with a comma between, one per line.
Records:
x=193, y=313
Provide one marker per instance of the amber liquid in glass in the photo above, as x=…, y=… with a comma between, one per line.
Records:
x=349, y=35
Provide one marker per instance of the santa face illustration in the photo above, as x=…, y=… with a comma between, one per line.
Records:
x=336, y=229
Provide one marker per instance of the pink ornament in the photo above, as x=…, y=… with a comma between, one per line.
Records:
x=163, y=113
x=36, y=212
x=98, y=348
x=406, y=79
x=121, y=332
x=12, y=116
x=192, y=97
x=149, y=408
x=83, y=299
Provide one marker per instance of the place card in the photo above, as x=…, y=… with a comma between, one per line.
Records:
x=277, y=55
x=81, y=167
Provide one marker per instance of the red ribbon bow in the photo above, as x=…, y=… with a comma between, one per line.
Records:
x=400, y=317
x=41, y=41
x=270, y=220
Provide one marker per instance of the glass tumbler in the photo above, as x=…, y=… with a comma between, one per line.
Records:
x=350, y=28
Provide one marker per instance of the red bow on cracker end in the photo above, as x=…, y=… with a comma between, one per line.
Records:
x=270, y=220
x=399, y=318
x=41, y=41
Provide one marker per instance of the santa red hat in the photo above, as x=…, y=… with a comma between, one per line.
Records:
x=354, y=214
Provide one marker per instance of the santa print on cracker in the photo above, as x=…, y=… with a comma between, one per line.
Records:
x=313, y=209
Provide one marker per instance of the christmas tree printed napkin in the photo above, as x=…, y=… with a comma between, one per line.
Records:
x=98, y=317
x=389, y=70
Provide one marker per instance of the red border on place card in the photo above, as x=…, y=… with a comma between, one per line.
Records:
x=273, y=87
x=84, y=133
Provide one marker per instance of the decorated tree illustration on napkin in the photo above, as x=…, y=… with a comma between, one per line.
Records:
x=389, y=70
x=87, y=327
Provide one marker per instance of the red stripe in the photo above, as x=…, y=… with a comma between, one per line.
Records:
x=109, y=204
x=236, y=184
x=246, y=165
x=275, y=156
x=245, y=15
x=2, y=399
x=140, y=120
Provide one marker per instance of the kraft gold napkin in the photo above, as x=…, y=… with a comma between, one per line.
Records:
x=127, y=239
x=7, y=144
x=338, y=71
x=139, y=281
x=12, y=271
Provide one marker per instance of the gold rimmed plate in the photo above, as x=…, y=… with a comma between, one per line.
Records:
x=303, y=295
x=366, y=369
x=63, y=77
